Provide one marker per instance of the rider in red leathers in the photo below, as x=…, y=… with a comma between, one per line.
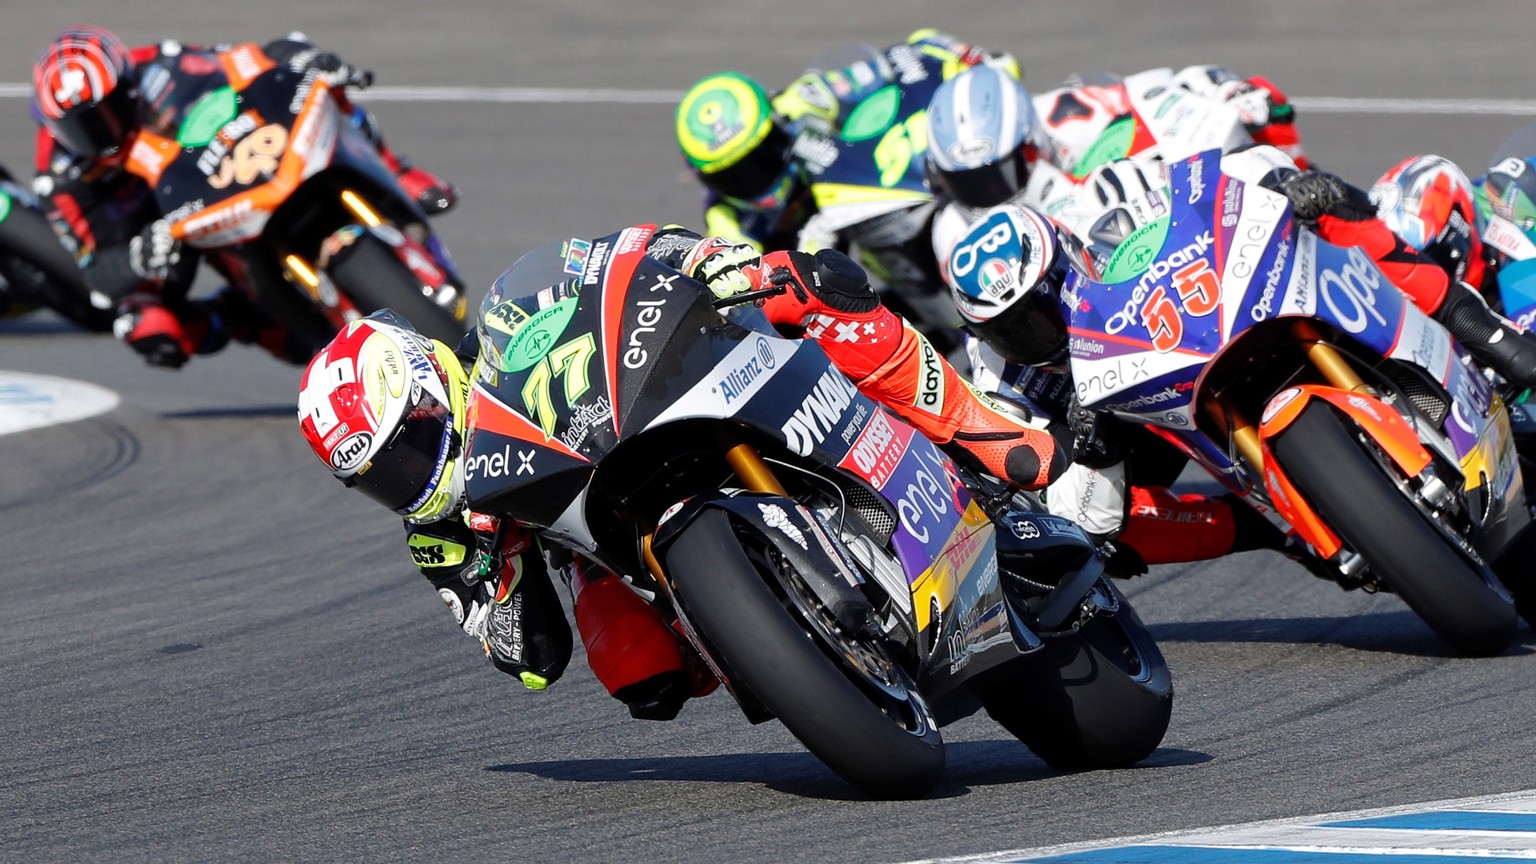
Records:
x=90, y=93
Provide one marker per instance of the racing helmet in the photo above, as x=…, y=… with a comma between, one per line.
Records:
x=1429, y=203
x=983, y=137
x=382, y=406
x=84, y=92
x=1507, y=200
x=1006, y=275
x=734, y=142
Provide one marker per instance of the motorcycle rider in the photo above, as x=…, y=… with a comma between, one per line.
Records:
x=90, y=93
x=739, y=142
x=990, y=141
x=384, y=408
x=757, y=157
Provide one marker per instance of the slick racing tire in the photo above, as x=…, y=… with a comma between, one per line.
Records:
x=874, y=730
x=1099, y=697
x=1350, y=489
x=38, y=269
x=369, y=273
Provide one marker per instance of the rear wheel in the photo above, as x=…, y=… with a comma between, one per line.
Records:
x=39, y=269
x=373, y=278
x=839, y=693
x=1100, y=697
x=1355, y=496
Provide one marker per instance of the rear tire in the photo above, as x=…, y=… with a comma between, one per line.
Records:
x=1365, y=507
x=1097, y=698
x=373, y=278
x=44, y=271
x=774, y=655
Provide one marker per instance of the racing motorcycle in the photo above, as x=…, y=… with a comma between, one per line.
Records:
x=1303, y=381
x=261, y=168
x=867, y=180
x=832, y=567
x=37, y=270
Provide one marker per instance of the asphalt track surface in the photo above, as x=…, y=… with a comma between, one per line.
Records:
x=210, y=650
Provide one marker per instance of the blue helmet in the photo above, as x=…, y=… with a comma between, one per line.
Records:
x=983, y=136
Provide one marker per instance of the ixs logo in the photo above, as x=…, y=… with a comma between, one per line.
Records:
x=1160, y=268
x=818, y=412
x=507, y=463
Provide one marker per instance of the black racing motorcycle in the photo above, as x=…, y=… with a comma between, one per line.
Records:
x=832, y=567
x=38, y=271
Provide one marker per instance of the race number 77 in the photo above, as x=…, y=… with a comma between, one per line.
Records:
x=570, y=362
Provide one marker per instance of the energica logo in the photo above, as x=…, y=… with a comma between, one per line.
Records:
x=1155, y=273
x=532, y=339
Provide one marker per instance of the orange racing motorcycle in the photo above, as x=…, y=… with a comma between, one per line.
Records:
x=261, y=169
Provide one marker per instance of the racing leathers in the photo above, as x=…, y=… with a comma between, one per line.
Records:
x=110, y=220
x=827, y=297
x=1156, y=114
x=888, y=229
x=494, y=576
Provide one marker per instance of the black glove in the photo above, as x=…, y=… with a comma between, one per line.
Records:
x=154, y=252
x=1315, y=194
x=1098, y=437
x=301, y=56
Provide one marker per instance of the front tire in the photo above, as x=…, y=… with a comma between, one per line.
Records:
x=891, y=753
x=1100, y=697
x=1363, y=505
x=41, y=270
x=370, y=274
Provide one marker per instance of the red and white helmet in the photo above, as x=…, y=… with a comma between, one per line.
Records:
x=85, y=92
x=1429, y=203
x=382, y=406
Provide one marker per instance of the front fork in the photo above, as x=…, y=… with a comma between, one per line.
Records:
x=755, y=473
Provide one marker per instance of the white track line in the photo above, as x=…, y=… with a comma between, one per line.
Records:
x=618, y=96
x=33, y=401
x=1273, y=829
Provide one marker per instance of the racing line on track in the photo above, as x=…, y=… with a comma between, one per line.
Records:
x=618, y=96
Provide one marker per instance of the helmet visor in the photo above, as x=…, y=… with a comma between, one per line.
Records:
x=1032, y=331
x=754, y=175
x=96, y=130
x=408, y=469
x=991, y=184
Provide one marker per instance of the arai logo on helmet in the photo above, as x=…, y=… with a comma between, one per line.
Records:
x=966, y=152
x=350, y=452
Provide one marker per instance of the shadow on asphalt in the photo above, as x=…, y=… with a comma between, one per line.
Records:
x=1390, y=632
x=971, y=764
x=285, y=410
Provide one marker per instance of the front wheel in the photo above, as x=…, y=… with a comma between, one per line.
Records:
x=374, y=278
x=848, y=703
x=1098, y=697
x=39, y=269
x=1365, y=507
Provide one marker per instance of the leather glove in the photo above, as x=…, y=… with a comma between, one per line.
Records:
x=727, y=268
x=1315, y=194
x=154, y=252
x=1098, y=437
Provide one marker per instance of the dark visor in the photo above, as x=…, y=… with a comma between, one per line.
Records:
x=989, y=184
x=96, y=130
x=1032, y=331
x=407, y=470
x=754, y=175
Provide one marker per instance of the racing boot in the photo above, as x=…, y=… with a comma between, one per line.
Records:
x=430, y=192
x=165, y=338
x=1490, y=338
x=638, y=658
x=829, y=299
